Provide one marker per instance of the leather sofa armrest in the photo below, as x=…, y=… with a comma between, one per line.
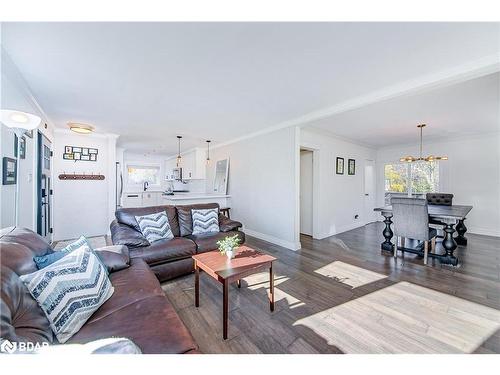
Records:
x=115, y=257
x=227, y=225
x=122, y=234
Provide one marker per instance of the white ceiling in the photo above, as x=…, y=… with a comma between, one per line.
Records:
x=149, y=82
x=467, y=108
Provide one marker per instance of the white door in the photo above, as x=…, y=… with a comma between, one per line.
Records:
x=306, y=192
x=369, y=191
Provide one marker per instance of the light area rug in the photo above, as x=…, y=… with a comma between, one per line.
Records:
x=95, y=242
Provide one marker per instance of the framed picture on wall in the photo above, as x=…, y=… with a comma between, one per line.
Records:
x=339, y=166
x=351, y=167
x=9, y=171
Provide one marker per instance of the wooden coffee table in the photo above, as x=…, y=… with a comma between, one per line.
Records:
x=246, y=261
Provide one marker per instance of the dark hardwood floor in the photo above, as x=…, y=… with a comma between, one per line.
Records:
x=340, y=295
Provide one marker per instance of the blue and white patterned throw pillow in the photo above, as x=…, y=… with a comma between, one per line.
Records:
x=155, y=227
x=46, y=260
x=70, y=290
x=205, y=221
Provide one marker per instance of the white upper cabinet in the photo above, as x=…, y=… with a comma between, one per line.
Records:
x=192, y=164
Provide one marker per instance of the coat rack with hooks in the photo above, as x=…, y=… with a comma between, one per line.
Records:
x=79, y=176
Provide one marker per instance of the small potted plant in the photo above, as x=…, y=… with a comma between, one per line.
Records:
x=228, y=245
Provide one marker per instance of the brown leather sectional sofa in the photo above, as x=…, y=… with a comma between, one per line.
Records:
x=138, y=308
x=170, y=258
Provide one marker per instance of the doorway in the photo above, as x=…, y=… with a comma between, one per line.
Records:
x=306, y=192
x=369, y=191
x=44, y=188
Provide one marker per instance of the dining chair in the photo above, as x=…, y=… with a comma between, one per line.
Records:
x=439, y=199
x=411, y=220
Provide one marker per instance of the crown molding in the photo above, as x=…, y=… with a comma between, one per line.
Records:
x=457, y=74
x=330, y=134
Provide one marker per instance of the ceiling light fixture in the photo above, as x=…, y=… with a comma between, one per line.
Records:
x=411, y=159
x=208, y=152
x=80, y=128
x=179, y=157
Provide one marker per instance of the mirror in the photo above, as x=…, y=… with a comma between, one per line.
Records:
x=221, y=174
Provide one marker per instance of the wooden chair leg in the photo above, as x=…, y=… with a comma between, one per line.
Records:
x=433, y=245
x=396, y=247
x=426, y=250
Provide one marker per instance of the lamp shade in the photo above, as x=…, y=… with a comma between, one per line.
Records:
x=20, y=120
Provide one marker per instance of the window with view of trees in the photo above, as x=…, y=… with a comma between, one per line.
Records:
x=415, y=179
x=138, y=174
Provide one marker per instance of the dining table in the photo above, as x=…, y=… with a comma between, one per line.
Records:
x=452, y=218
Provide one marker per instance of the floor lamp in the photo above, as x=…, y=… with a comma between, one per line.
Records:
x=19, y=123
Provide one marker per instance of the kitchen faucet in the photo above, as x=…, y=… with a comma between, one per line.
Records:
x=146, y=185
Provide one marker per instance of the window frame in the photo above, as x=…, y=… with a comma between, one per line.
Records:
x=144, y=166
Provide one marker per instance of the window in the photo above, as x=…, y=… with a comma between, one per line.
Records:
x=415, y=179
x=138, y=174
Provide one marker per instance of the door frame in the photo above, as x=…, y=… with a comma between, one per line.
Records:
x=370, y=219
x=315, y=188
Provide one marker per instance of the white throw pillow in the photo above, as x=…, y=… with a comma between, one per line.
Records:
x=155, y=227
x=70, y=290
x=205, y=221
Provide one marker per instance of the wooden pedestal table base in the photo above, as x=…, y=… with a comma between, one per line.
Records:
x=246, y=261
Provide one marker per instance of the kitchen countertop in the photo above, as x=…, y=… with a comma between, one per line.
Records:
x=186, y=196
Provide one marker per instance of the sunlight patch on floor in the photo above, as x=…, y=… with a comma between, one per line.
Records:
x=261, y=280
x=405, y=318
x=348, y=274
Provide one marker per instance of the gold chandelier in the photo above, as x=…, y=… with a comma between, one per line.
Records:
x=411, y=159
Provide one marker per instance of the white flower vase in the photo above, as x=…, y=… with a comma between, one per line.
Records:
x=230, y=253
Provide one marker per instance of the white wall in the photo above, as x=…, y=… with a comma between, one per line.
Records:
x=263, y=185
x=15, y=94
x=306, y=192
x=472, y=174
x=336, y=198
x=83, y=207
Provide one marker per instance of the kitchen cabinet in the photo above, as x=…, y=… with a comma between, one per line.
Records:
x=193, y=165
x=150, y=199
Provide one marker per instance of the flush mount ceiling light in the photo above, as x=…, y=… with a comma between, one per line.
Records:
x=19, y=120
x=179, y=157
x=411, y=159
x=80, y=128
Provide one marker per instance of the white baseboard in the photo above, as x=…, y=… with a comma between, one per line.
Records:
x=274, y=240
x=482, y=231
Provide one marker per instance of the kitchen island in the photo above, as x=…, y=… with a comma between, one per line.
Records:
x=195, y=198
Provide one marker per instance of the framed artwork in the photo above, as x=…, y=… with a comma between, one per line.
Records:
x=9, y=171
x=351, y=167
x=22, y=146
x=339, y=168
x=80, y=153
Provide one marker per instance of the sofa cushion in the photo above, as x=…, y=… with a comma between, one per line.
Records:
x=165, y=250
x=151, y=323
x=155, y=227
x=205, y=221
x=208, y=241
x=127, y=216
x=185, y=216
x=70, y=290
x=122, y=234
x=131, y=285
x=21, y=317
x=115, y=257
x=19, y=246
